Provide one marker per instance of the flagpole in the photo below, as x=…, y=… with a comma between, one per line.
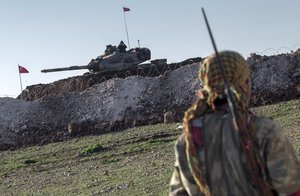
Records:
x=20, y=80
x=126, y=29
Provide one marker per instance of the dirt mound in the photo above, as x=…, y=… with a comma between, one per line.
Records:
x=274, y=78
x=85, y=107
x=111, y=105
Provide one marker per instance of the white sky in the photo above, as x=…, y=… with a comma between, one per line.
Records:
x=39, y=34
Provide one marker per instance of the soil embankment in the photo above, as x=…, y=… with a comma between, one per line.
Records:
x=62, y=112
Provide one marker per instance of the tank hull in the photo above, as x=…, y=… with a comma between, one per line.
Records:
x=117, y=61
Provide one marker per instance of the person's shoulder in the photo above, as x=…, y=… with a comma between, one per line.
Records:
x=180, y=149
x=265, y=122
x=264, y=125
x=180, y=144
x=180, y=141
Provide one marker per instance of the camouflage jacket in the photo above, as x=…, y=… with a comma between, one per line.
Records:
x=283, y=166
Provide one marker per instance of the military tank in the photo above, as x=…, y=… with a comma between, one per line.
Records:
x=111, y=60
x=112, y=64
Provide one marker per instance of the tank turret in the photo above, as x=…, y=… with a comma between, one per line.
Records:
x=111, y=60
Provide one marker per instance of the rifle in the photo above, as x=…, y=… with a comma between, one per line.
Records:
x=227, y=92
x=255, y=162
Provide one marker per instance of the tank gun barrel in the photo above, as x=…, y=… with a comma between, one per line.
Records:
x=76, y=67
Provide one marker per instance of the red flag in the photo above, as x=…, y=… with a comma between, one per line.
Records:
x=23, y=69
x=126, y=9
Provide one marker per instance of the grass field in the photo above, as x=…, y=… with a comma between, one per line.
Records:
x=137, y=161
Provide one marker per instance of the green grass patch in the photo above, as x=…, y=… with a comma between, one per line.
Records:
x=29, y=161
x=107, y=160
x=159, y=141
x=92, y=149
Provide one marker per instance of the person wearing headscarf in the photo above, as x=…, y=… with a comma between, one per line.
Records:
x=212, y=157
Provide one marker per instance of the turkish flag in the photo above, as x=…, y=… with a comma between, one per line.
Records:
x=22, y=69
x=126, y=9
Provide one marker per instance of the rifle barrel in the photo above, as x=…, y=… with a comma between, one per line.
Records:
x=227, y=91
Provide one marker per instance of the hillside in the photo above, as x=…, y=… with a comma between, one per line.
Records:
x=120, y=103
x=136, y=161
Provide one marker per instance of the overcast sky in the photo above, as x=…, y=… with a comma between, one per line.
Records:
x=39, y=34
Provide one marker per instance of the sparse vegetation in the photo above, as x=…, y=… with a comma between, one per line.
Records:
x=137, y=161
x=92, y=149
x=29, y=161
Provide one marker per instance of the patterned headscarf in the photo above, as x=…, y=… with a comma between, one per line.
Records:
x=237, y=74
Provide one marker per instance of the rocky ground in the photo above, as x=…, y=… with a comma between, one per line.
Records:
x=118, y=103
